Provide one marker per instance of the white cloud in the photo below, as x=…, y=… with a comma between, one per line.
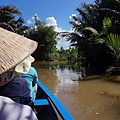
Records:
x=63, y=43
x=51, y=21
x=29, y=21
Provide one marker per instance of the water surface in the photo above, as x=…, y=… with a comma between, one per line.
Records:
x=81, y=98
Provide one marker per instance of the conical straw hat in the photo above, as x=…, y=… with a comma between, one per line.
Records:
x=14, y=49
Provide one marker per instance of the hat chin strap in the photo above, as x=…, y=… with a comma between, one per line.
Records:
x=13, y=74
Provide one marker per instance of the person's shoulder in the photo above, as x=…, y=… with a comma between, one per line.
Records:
x=6, y=103
x=19, y=79
x=5, y=99
x=32, y=68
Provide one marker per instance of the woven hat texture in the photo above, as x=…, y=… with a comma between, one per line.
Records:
x=14, y=49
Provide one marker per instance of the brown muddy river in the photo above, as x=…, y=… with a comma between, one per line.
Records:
x=81, y=98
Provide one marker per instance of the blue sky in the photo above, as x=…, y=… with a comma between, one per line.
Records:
x=54, y=12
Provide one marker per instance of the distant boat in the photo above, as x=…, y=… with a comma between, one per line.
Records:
x=48, y=107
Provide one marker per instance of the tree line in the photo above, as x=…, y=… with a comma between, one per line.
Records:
x=95, y=37
x=11, y=19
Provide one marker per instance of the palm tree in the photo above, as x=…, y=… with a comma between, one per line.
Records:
x=7, y=15
x=89, y=16
x=45, y=36
x=111, y=9
x=8, y=21
x=91, y=45
x=18, y=26
x=114, y=45
x=110, y=41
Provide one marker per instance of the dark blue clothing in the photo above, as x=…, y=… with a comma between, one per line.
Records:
x=17, y=89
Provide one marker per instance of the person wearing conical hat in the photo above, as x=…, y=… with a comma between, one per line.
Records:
x=14, y=89
x=14, y=49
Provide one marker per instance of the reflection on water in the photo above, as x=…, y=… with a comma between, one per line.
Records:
x=81, y=97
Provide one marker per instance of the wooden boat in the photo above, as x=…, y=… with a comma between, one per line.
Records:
x=48, y=107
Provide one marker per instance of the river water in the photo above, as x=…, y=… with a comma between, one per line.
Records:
x=81, y=97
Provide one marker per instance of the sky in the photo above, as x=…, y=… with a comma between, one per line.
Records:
x=54, y=12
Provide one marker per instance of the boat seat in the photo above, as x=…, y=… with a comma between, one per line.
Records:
x=41, y=102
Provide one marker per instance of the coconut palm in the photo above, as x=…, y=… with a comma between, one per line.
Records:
x=111, y=9
x=114, y=45
x=110, y=41
x=18, y=26
x=113, y=41
x=7, y=15
x=8, y=21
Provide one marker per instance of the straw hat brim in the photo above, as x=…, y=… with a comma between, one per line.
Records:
x=14, y=49
x=25, y=65
x=31, y=59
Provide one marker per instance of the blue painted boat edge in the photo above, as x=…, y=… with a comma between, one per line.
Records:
x=41, y=102
x=66, y=115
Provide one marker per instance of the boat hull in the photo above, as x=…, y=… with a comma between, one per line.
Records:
x=48, y=107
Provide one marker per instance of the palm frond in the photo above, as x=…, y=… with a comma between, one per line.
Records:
x=91, y=30
x=113, y=41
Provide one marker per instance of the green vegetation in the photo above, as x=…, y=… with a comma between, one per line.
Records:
x=95, y=39
x=8, y=19
x=96, y=34
x=45, y=36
